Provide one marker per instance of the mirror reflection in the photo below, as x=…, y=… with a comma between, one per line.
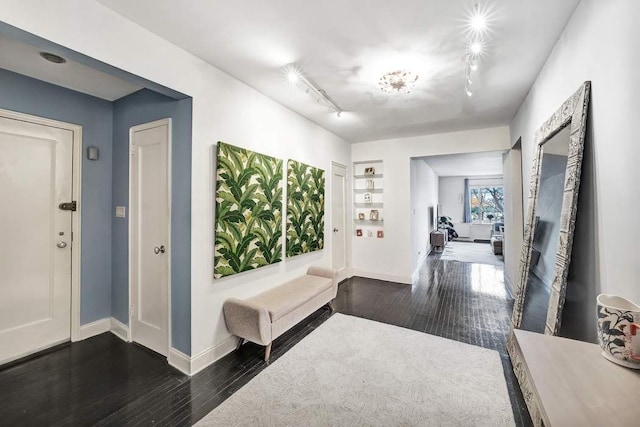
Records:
x=546, y=231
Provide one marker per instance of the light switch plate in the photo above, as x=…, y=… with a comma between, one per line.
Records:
x=121, y=211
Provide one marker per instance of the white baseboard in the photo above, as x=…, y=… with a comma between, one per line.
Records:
x=210, y=355
x=119, y=329
x=383, y=276
x=180, y=361
x=508, y=285
x=193, y=365
x=421, y=261
x=94, y=328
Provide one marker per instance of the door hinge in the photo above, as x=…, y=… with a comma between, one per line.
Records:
x=68, y=206
x=132, y=311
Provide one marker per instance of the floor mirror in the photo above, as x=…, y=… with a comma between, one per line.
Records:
x=549, y=228
x=550, y=220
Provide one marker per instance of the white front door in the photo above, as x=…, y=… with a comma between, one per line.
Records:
x=35, y=255
x=338, y=219
x=149, y=223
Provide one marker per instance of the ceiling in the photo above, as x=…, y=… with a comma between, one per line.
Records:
x=471, y=164
x=25, y=59
x=345, y=46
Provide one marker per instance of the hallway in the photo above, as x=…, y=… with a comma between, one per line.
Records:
x=105, y=381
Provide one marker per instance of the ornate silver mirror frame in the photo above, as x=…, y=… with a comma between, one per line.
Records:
x=573, y=113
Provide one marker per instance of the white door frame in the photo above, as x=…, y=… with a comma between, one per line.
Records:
x=76, y=240
x=345, y=221
x=134, y=129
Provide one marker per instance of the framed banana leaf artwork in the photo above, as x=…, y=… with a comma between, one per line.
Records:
x=305, y=208
x=249, y=198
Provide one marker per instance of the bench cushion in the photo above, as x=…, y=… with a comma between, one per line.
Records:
x=287, y=297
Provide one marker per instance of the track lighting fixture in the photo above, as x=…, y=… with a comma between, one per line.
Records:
x=296, y=77
x=475, y=47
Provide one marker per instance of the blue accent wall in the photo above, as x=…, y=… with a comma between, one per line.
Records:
x=142, y=107
x=35, y=97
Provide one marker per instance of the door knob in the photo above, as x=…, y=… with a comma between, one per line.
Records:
x=158, y=250
x=61, y=245
x=335, y=230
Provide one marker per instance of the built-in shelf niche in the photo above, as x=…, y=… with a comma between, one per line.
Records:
x=368, y=196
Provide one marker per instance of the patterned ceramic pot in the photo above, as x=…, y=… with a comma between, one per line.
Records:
x=619, y=330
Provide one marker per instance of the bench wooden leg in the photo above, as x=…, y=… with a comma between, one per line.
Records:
x=240, y=343
x=267, y=352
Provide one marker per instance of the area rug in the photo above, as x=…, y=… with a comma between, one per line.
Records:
x=352, y=371
x=478, y=253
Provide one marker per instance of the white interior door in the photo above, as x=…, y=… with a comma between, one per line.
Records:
x=149, y=235
x=35, y=255
x=338, y=219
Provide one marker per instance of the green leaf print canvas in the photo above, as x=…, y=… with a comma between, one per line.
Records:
x=248, y=230
x=305, y=208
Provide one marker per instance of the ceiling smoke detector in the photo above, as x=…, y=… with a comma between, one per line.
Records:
x=52, y=57
x=401, y=81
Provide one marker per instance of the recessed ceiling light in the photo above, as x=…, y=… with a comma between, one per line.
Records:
x=401, y=81
x=473, y=65
x=52, y=57
x=469, y=93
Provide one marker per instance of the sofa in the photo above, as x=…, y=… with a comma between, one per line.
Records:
x=264, y=317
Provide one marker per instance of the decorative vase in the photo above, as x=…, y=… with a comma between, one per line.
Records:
x=619, y=330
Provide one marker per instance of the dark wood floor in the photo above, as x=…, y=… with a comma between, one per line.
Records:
x=105, y=381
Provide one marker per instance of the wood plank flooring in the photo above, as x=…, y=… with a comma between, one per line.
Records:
x=104, y=381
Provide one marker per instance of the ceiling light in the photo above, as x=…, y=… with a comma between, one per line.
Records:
x=292, y=76
x=52, y=57
x=295, y=76
x=469, y=93
x=401, y=81
x=478, y=23
x=475, y=47
x=473, y=65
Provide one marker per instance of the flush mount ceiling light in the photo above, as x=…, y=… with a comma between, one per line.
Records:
x=52, y=57
x=400, y=81
x=296, y=78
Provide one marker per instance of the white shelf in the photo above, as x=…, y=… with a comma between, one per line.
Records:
x=368, y=227
x=374, y=176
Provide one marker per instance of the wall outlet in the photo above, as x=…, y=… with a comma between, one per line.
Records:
x=121, y=211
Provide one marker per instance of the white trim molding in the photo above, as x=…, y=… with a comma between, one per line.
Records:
x=193, y=365
x=180, y=361
x=211, y=354
x=94, y=328
x=120, y=330
x=382, y=276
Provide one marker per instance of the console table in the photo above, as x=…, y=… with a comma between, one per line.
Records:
x=568, y=383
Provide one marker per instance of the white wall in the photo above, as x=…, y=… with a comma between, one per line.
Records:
x=451, y=193
x=224, y=109
x=424, y=200
x=390, y=258
x=600, y=43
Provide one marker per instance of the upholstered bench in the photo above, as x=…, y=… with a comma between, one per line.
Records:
x=264, y=317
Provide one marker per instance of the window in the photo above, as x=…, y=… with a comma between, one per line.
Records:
x=486, y=204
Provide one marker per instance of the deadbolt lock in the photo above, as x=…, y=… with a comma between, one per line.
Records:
x=68, y=206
